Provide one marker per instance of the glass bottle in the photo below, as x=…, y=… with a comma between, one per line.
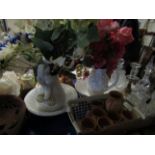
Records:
x=134, y=71
x=132, y=77
x=142, y=88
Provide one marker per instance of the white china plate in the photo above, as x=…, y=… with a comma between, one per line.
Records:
x=81, y=87
x=33, y=105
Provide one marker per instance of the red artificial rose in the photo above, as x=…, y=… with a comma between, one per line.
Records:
x=120, y=50
x=111, y=66
x=113, y=61
x=99, y=62
x=98, y=54
x=97, y=47
x=122, y=35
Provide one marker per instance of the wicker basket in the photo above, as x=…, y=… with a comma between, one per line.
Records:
x=80, y=108
x=12, y=112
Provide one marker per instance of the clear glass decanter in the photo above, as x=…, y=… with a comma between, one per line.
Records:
x=141, y=90
x=132, y=78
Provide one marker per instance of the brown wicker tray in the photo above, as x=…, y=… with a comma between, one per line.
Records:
x=80, y=108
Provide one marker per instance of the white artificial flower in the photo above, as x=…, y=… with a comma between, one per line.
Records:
x=78, y=53
x=7, y=51
x=4, y=53
x=59, y=61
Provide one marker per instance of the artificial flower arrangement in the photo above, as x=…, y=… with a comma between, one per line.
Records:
x=103, y=57
x=110, y=48
x=62, y=47
x=101, y=42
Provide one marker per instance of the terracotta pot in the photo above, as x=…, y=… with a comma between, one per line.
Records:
x=115, y=117
x=88, y=124
x=98, y=112
x=104, y=122
x=114, y=102
x=12, y=112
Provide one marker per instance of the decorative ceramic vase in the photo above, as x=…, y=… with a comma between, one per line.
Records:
x=52, y=95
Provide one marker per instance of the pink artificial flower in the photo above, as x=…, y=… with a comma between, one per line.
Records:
x=106, y=25
x=111, y=46
x=114, y=25
x=122, y=35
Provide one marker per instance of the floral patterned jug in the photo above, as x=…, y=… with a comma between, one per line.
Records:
x=97, y=82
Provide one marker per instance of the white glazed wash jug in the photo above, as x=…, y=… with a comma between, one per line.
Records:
x=97, y=82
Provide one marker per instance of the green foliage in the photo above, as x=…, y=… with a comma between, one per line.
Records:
x=77, y=24
x=28, y=52
x=58, y=42
x=44, y=35
x=92, y=35
x=57, y=32
x=45, y=47
x=87, y=35
x=65, y=36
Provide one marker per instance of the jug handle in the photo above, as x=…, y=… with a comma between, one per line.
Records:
x=115, y=81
